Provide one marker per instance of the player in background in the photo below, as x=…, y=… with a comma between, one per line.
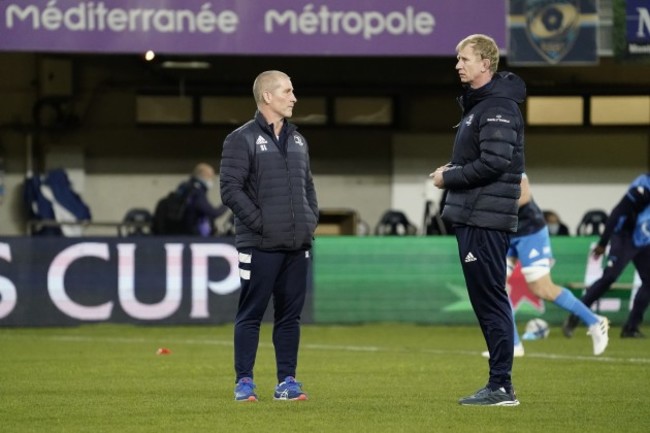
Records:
x=628, y=229
x=531, y=245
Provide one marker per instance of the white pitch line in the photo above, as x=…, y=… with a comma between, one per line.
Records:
x=553, y=356
x=352, y=348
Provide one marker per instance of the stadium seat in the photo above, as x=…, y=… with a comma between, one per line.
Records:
x=592, y=223
x=395, y=223
x=136, y=222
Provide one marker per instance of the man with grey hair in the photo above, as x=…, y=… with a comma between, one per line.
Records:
x=266, y=181
x=483, y=182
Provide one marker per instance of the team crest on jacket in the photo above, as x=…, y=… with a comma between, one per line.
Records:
x=298, y=140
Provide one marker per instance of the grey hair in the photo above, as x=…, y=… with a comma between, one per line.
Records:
x=267, y=81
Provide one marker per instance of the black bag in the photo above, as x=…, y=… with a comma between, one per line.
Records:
x=168, y=217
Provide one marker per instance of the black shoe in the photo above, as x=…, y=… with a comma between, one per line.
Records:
x=487, y=397
x=569, y=325
x=632, y=333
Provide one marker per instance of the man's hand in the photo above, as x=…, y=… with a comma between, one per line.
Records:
x=598, y=251
x=438, y=180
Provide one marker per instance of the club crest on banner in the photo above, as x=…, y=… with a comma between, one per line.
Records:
x=552, y=32
x=552, y=27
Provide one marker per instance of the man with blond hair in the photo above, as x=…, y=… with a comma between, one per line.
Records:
x=483, y=182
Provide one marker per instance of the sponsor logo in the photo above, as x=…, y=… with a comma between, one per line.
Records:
x=118, y=261
x=470, y=258
x=498, y=118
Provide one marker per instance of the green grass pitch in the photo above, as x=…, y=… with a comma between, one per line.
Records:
x=365, y=378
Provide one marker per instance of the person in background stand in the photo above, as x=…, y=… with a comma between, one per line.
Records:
x=628, y=232
x=199, y=216
x=483, y=182
x=555, y=226
x=266, y=181
x=531, y=246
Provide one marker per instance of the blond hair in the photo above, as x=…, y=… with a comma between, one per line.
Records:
x=484, y=46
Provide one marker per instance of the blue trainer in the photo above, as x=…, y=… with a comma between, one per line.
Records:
x=244, y=390
x=289, y=390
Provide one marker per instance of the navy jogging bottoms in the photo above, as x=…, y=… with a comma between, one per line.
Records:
x=265, y=274
x=483, y=259
x=622, y=251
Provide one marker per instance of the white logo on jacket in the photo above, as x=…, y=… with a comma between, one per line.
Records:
x=498, y=118
x=298, y=140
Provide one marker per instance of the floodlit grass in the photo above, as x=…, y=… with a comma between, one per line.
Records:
x=370, y=378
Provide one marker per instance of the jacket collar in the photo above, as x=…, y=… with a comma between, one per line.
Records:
x=503, y=85
x=287, y=127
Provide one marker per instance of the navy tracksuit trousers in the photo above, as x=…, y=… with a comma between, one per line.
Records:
x=622, y=251
x=483, y=259
x=265, y=274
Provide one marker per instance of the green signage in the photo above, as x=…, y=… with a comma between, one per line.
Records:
x=419, y=279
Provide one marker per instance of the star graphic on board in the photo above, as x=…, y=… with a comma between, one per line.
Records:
x=463, y=304
x=520, y=293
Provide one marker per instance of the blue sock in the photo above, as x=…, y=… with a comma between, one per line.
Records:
x=514, y=324
x=569, y=302
x=517, y=340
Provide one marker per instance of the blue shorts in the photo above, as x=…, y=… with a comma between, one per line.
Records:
x=533, y=249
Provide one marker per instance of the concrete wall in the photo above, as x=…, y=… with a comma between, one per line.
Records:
x=569, y=176
x=117, y=165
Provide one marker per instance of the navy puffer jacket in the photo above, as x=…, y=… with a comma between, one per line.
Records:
x=267, y=183
x=488, y=156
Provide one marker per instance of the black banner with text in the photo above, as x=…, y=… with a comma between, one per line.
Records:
x=157, y=280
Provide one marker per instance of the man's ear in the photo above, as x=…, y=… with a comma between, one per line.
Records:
x=267, y=96
x=486, y=64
